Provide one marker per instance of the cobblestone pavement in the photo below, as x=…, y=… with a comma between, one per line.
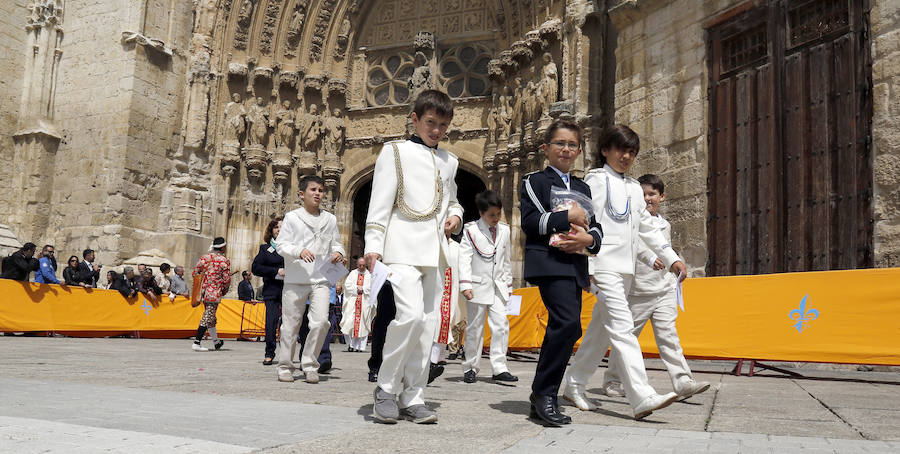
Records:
x=126, y=395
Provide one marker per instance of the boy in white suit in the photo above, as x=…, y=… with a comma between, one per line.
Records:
x=653, y=298
x=357, y=312
x=308, y=236
x=485, y=270
x=618, y=203
x=412, y=212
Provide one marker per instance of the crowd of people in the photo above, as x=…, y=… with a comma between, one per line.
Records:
x=603, y=234
x=84, y=272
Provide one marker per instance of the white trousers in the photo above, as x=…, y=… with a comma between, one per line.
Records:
x=662, y=311
x=499, y=325
x=293, y=306
x=407, y=344
x=612, y=324
x=358, y=343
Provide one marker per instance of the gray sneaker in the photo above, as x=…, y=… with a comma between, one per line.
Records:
x=419, y=414
x=385, y=408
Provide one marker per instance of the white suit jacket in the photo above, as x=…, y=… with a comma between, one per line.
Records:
x=301, y=230
x=485, y=265
x=401, y=239
x=619, y=248
x=648, y=281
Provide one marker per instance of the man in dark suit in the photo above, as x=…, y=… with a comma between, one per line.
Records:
x=19, y=264
x=245, y=288
x=559, y=271
x=88, y=273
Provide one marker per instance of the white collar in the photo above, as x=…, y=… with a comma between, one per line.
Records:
x=613, y=171
x=560, y=173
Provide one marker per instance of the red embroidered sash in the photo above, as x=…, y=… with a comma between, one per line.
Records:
x=357, y=311
x=444, y=329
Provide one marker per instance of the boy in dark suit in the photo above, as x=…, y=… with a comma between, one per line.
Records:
x=560, y=272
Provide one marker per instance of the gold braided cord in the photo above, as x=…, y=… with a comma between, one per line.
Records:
x=399, y=200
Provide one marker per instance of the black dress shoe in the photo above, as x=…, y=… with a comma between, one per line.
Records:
x=469, y=376
x=267, y=362
x=563, y=417
x=506, y=376
x=543, y=408
x=435, y=372
x=373, y=376
x=325, y=367
x=451, y=357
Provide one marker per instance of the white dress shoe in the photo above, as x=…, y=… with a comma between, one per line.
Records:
x=575, y=395
x=693, y=387
x=653, y=402
x=613, y=389
x=285, y=376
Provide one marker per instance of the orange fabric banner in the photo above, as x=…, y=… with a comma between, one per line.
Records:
x=27, y=306
x=833, y=316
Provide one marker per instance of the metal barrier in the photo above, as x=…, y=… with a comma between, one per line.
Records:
x=253, y=315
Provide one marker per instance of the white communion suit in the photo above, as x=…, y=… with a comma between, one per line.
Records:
x=413, y=194
x=486, y=269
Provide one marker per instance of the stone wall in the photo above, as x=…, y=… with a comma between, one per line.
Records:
x=12, y=54
x=660, y=92
x=885, y=36
x=118, y=106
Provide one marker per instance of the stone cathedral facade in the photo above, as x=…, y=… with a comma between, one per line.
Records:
x=160, y=124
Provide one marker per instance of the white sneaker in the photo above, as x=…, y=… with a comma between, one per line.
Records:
x=198, y=348
x=653, y=402
x=575, y=395
x=312, y=376
x=693, y=387
x=613, y=389
x=285, y=375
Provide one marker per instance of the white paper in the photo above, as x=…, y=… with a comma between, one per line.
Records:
x=380, y=274
x=514, y=305
x=334, y=272
x=679, y=293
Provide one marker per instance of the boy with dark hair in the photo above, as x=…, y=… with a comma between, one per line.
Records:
x=620, y=208
x=652, y=297
x=560, y=272
x=485, y=279
x=308, y=236
x=413, y=203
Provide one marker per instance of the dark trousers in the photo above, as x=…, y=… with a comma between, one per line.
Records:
x=562, y=298
x=325, y=354
x=273, y=321
x=385, y=311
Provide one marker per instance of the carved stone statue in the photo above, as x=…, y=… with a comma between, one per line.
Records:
x=245, y=13
x=296, y=25
x=421, y=79
x=517, y=106
x=549, y=88
x=335, y=131
x=235, y=120
x=531, y=102
x=312, y=128
x=505, y=111
x=205, y=18
x=494, y=122
x=258, y=124
x=284, y=125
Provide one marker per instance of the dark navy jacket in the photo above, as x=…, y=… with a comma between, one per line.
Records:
x=541, y=259
x=266, y=265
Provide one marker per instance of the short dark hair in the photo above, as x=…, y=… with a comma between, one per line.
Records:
x=48, y=246
x=305, y=180
x=86, y=253
x=618, y=136
x=653, y=181
x=165, y=267
x=245, y=273
x=271, y=228
x=29, y=246
x=74, y=257
x=560, y=123
x=435, y=100
x=486, y=199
